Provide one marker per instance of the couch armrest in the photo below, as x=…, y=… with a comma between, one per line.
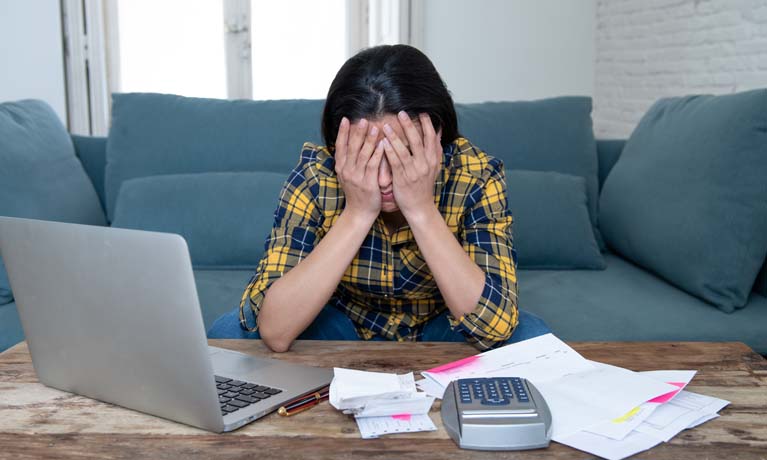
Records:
x=608, y=152
x=92, y=152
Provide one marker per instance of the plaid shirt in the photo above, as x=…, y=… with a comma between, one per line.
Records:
x=388, y=290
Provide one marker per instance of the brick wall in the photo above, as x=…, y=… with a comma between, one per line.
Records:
x=648, y=49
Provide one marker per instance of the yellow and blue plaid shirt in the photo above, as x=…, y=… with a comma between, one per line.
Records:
x=388, y=289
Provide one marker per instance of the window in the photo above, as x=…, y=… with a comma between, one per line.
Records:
x=297, y=47
x=239, y=49
x=171, y=46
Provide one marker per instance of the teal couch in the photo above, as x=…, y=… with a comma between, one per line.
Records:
x=203, y=150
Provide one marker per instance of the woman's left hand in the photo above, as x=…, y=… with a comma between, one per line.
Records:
x=414, y=169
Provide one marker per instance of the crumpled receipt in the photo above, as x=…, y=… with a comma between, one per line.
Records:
x=376, y=394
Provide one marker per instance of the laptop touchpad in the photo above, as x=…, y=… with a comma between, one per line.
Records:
x=228, y=363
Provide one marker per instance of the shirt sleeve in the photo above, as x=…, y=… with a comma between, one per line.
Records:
x=488, y=240
x=295, y=232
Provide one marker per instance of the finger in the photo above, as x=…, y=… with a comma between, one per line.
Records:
x=375, y=160
x=440, y=152
x=432, y=142
x=411, y=133
x=427, y=127
x=397, y=146
x=429, y=137
x=342, y=138
x=367, y=148
x=357, y=137
x=394, y=159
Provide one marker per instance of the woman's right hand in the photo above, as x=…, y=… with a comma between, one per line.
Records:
x=357, y=159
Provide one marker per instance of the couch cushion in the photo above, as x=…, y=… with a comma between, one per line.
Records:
x=688, y=197
x=6, y=295
x=547, y=135
x=40, y=177
x=220, y=291
x=153, y=134
x=224, y=217
x=552, y=228
x=10, y=326
x=625, y=302
x=92, y=152
x=760, y=285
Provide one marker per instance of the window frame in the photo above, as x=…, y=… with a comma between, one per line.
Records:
x=92, y=49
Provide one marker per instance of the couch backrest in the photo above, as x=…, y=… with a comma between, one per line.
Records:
x=92, y=151
x=157, y=134
x=163, y=134
x=608, y=152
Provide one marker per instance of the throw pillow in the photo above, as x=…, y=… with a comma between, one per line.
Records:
x=688, y=197
x=552, y=228
x=224, y=217
x=154, y=134
x=547, y=135
x=40, y=177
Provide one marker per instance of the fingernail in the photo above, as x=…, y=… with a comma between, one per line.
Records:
x=386, y=142
x=402, y=115
x=363, y=122
x=388, y=129
x=344, y=120
x=374, y=131
x=380, y=143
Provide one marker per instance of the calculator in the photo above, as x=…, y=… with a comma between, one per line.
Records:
x=496, y=413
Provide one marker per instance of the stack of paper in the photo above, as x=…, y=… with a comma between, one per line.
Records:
x=605, y=410
x=655, y=421
x=381, y=403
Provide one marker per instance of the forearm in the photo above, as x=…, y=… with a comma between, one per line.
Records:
x=458, y=277
x=294, y=301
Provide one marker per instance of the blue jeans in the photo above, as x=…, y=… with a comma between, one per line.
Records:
x=332, y=324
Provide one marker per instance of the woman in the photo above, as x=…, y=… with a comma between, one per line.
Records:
x=397, y=228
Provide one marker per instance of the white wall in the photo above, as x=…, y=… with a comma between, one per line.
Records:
x=649, y=50
x=31, y=54
x=489, y=50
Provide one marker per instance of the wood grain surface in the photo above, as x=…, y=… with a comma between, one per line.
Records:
x=40, y=422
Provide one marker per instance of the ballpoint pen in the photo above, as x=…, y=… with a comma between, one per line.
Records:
x=304, y=402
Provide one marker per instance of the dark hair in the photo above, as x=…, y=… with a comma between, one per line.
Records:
x=385, y=80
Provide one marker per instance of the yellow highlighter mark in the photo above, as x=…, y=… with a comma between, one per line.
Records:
x=627, y=416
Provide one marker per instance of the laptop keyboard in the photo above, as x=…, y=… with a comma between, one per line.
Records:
x=234, y=395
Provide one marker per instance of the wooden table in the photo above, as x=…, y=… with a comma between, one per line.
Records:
x=40, y=422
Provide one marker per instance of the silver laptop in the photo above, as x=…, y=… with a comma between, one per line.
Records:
x=113, y=315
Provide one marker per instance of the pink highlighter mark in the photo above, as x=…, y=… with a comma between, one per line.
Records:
x=664, y=398
x=403, y=417
x=454, y=364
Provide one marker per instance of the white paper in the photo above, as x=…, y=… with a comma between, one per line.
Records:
x=351, y=389
x=417, y=404
x=702, y=420
x=373, y=427
x=541, y=358
x=583, y=399
x=679, y=413
x=619, y=427
x=580, y=393
x=610, y=449
x=431, y=388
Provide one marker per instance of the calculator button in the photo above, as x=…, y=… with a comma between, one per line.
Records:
x=495, y=402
